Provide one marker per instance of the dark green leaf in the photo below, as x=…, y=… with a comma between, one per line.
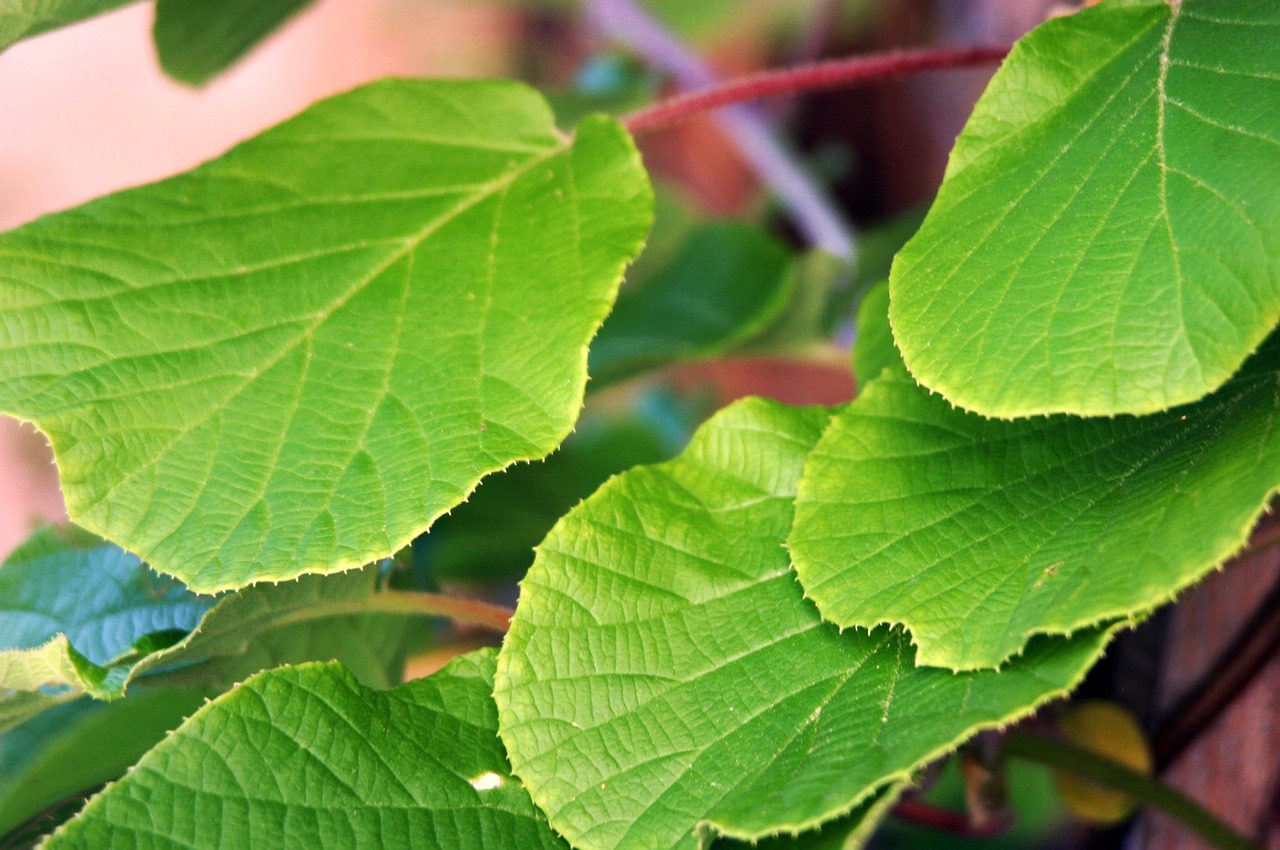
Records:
x=83, y=744
x=198, y=38
x=728, y=282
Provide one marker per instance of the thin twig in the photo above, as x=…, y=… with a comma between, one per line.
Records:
x=818, y=220
x=927, y=815
x=833, y=73
x=1144, y=789
x=420, y=604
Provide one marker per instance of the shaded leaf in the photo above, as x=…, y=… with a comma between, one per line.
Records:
x=86, y=616
x=103, y=599
x=492, y=536
x=873, y=347
x=977, y=533
x=21, y=19
x=1107, y=238
x=196, y=39
x=83, y=744
x=848, y=832
x=309, y=757
x=664, y=679
x=319, y=342
x=726, y=284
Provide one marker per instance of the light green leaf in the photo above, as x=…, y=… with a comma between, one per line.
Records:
x=21, y=19
x=83, y=744
x=293, y=358
x=664, y=679
x=1107, y=238
x=78, y=613
x=725, y=286
x=307, y=757
x=196, y=38
x=977, y=533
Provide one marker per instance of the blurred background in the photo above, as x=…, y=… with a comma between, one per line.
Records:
x=87, y=111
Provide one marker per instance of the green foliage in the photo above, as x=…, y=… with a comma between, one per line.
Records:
x=21, y=19
x=268, y=374
x=85, y=616
x=330, y=764
x=725, y=286
x=978, y=533
x=662, y=646
x=1106, y=239
x=318, y=438
x=196, y=39
x=492, y=536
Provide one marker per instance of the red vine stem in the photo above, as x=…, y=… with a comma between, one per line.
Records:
x=834, y=73
x=927, y=815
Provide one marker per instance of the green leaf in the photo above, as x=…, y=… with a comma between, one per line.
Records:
x=1107, y=238
x=21, y=19
x=80, y=614
x=196, y=39
x=492, y=536
x=103, y=599
x=663, y=650
x=728, y=282
x=308, y=757
x=873, y=346
x=848, y=832
x=293, y=358
x=83, y=744
x=977, y=533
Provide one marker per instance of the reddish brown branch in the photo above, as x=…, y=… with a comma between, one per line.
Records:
x=834, y=73
x=927, y=815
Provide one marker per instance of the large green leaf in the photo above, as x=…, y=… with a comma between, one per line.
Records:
x=726, y=284
x=307, y=757
x=83, y=744
x=21, y=19
x=196, y=38
x=664, y=679
x=80, y=615
x=978, y=533
x=1107, y=238
x=293, y=358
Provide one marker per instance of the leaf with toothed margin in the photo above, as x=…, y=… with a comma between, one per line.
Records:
x=1107, y=236
x=295, y=357
x=851, y=831
x=84, y=616
x=664, y=680
x=979, y=533
x=307, y=757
